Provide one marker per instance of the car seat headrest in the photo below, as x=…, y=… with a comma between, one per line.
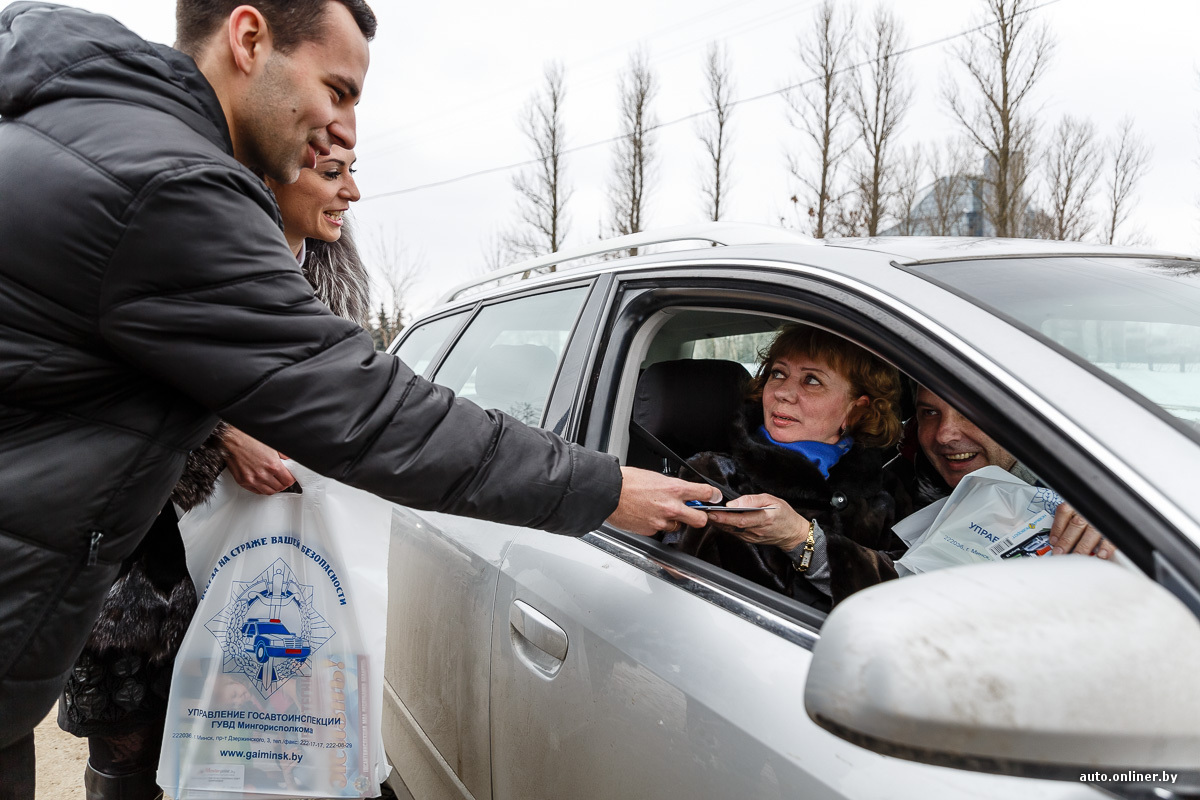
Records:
x=515, y=378
x=691, y=404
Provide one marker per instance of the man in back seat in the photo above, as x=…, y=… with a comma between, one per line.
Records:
x=955, y=446
x=951, y=446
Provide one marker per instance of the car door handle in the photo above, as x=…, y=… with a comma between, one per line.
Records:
x=536, y=637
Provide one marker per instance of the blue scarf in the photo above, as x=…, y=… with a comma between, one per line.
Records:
x=822, y=455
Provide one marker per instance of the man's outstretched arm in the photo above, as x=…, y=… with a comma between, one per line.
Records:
x=221, y=312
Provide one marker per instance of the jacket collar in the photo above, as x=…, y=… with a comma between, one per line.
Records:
x=749, y=448
x=50, y=53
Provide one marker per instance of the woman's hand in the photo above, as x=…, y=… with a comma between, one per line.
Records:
x=256, y=467
x=780, y=526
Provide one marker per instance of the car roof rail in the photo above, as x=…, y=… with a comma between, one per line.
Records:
x=719, y=233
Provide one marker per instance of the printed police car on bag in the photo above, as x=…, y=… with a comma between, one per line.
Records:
x=277, y=689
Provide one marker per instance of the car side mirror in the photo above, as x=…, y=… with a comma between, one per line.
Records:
x=1051, y=668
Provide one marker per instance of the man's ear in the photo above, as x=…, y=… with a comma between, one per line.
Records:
x=249, y=38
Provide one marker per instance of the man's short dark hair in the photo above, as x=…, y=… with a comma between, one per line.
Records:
x=292, y=22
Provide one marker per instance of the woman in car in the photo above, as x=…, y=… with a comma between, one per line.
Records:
x=810, y=446
x=117, y=692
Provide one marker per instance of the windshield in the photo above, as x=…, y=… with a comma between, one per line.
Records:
x=1136, y=320
x=267, y=627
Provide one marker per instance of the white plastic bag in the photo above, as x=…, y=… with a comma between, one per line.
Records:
x=991, y=515
x=278, y=685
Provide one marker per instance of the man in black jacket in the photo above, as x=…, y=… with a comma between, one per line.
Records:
x=146, y=289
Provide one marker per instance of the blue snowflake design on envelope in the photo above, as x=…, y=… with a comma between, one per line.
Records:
x=270, y=629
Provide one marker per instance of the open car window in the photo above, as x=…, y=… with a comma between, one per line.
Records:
x=708, y=334
x=692, y=369
x=728, y=339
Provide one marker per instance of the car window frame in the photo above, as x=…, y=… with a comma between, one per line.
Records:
x=468, y=313
x=573, y=365
x=597, y=287
x=901, y=338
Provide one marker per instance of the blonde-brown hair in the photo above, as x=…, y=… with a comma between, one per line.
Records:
x=874, y=425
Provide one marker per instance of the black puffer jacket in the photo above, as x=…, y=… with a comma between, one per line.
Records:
x=146, y=289
x=855, y=506
x=121, y=682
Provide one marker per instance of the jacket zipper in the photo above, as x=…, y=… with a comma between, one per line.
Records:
x=94, y=550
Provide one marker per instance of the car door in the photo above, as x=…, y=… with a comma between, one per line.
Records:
x=622, y=668
x=443, y=569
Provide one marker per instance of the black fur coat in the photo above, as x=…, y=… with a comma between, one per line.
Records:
x=855, y=507
x=121, y=680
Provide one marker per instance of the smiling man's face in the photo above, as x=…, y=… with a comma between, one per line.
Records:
x=301, y=103
x=952, y=443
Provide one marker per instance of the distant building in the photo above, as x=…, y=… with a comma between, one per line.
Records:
x=953, y=206
x=961, y=196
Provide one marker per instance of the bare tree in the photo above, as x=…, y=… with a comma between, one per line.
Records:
x=846, y=218
x=818, y=110
x=497, y=252
x=953, y=188
x=879, y=97
x=634, y=154
x=910, y=181
x=1073, y=161
x=543, y=194
x=1037, y=225
x=1003, y=60
x=715, y=132
x=1128, y=161
x=394, y=270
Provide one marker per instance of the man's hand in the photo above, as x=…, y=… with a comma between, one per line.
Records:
x=781, y=526
x=651, y=502
x=256, y=467
x=1071, y=533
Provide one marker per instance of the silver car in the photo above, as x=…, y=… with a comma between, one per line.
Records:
x=523, y=665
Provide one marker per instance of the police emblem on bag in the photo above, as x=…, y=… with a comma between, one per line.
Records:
x=270, y=630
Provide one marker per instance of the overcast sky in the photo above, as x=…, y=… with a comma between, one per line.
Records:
x=448, y=80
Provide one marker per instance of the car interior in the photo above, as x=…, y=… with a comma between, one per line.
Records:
x=692, y=369
x=680, y=387
x=688, y=405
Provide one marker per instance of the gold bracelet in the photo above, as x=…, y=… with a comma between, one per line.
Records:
x=806, y=558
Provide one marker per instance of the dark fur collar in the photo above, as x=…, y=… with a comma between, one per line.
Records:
x=200, y=472
x=856, y=507
x=789, y=475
